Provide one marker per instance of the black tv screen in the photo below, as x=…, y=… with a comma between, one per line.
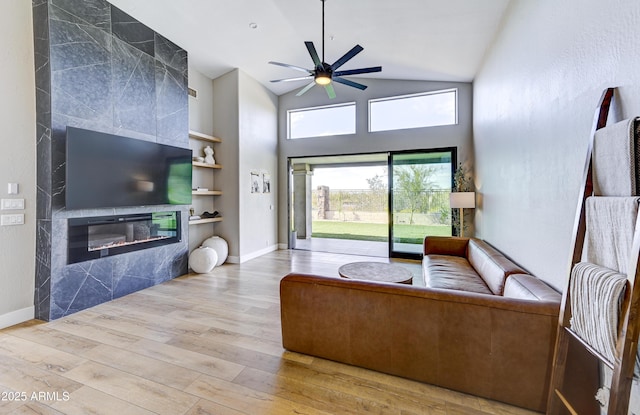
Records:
x=106, y=170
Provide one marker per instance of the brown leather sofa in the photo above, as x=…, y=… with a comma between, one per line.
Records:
x=497, y=345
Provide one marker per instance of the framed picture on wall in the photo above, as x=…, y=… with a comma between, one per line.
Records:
x=266, y=183
x=256, y=182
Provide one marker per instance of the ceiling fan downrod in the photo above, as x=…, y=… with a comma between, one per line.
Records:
x=323, y=32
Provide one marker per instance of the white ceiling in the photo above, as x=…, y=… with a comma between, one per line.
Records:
x=438, y=40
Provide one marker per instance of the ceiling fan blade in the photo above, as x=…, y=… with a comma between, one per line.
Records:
x=353, y=52
x=358, y=71
x=350, y=83
x=306, y=88
x=330, y=91
x=302, y=78
x=314, y=54
x=286, y=65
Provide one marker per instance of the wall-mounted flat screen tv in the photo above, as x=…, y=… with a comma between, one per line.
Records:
x=106, y=170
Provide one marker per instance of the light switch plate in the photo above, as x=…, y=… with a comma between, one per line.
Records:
x=17, y=219
x=12, y=204
x=12, y=188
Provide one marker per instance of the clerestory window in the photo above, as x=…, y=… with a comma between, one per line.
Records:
x=322, y=121
x=428, y=109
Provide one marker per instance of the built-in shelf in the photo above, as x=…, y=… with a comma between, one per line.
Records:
x=208, y=220
x=207, y=192
x=209, y=166
x=209, y=139
x=204, y=137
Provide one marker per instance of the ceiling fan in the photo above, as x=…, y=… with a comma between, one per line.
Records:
x=324, y=74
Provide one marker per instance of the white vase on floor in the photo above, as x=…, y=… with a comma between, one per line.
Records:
x=203, y=259
x=220, y=246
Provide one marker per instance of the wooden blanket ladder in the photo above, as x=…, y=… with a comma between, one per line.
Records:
x=574, y=359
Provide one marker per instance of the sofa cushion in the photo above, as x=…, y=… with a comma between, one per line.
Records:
x=445, y=245
x=453, y=273
x=528, y=287
x=491, y=265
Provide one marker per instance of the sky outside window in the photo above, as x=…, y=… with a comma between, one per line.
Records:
x=322, y=121
x=413, y=111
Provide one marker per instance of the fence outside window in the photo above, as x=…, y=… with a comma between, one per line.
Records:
x=430, y=207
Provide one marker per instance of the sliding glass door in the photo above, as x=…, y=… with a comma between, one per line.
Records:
x=420, y=183
x=371, y=204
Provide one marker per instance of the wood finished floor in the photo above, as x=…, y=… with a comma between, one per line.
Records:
x=202, y=344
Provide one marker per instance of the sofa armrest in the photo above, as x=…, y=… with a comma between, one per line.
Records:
x=491, y=265
x=490, y=346
x=528, y=287
x=446, y=245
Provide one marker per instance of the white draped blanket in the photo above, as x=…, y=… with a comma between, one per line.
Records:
x=596, y=295
x=610, y=226
x=614, y=158
x=610, y=221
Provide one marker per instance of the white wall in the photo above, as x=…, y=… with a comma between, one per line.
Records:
x=17, y=160
x=363, y=141
x=258, y=152
x=225, y=126
x=201, y=107
x=245, y=117
x=534, y=100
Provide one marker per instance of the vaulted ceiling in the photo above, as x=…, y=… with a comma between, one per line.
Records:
x=439, y=40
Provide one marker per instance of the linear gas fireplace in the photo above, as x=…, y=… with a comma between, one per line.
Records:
x=102, y=236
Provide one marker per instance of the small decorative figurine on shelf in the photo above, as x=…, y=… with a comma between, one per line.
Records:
x=192, y=214
x=208, y=152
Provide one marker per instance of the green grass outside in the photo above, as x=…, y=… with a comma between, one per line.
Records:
x=376, y=231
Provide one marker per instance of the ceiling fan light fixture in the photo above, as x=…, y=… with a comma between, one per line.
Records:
x=325, y=74
x=322, y=78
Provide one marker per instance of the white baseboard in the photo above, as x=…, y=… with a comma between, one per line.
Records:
x=283, y=246
x=233, y=259
x=16, y=317
x=244, y=258
x=253, y=255
x=256, y=254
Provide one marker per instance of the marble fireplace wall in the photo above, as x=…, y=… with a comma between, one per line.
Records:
x=100, y=69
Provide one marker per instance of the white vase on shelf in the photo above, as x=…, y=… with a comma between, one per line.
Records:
x=220, y=246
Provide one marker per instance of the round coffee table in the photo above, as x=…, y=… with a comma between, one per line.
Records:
x=376, y=271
